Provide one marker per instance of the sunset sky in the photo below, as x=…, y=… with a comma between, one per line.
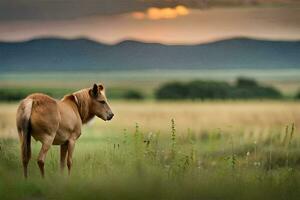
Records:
x=169, y=21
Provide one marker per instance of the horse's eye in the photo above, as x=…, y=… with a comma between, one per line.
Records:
x=102, y=102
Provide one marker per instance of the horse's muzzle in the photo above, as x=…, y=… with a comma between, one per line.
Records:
x=110, y=116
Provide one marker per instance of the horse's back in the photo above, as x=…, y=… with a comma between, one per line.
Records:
x=44, y=117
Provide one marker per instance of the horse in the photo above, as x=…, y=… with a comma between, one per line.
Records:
x=58, y=122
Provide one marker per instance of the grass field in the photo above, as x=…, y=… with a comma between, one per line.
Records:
x=211, y=150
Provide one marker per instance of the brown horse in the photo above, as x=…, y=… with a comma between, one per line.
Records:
x=58, y=122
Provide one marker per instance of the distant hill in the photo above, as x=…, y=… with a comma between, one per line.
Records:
x=82, y=54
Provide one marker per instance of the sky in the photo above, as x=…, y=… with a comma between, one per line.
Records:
x=166, y=21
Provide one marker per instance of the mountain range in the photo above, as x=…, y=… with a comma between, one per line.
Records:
x=56, y=54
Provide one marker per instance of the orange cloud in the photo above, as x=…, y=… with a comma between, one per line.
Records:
x=182, y=10
x=154, y=13
x=138, y=15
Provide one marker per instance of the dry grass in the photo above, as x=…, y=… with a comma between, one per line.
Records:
x=202, y=116
x=199, y=117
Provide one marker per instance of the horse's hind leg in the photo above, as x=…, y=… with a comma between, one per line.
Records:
x=42, y=155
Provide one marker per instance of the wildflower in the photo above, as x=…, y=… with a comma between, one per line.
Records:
x=257, y=164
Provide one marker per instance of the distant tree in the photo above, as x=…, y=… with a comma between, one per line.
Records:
x=247, y=88
x=255, y=93
x=134, y=95
x=173, y=90
x=246, y=82
x=13, y=95
x=16, y=94
x=297, y=95
x=207, y=90
x=198, y=89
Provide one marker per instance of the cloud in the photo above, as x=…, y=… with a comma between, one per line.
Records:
x=138, y=15
x=154, y=13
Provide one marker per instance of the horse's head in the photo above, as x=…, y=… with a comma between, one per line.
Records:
x=99, y=104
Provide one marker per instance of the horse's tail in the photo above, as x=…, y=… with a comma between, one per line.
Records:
x=24, y=126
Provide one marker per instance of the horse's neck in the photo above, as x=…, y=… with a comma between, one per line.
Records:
x=83, y=105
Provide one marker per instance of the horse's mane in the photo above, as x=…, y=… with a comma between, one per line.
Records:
x=82, y=99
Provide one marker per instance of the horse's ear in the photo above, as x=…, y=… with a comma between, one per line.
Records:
x=94, y=91
x=101, y=87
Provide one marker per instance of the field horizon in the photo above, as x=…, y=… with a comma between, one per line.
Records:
x=146, y=81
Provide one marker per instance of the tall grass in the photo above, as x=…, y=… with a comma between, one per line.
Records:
x=146, y=168
x=171, y=160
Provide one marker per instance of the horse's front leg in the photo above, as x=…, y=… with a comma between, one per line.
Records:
x=63, y=155
x=71, y=146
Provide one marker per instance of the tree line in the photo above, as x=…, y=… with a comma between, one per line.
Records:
x=243, y=88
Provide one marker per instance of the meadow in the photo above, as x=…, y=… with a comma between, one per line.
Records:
x=167, y=150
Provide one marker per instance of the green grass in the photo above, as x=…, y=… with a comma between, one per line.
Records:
x=169, y=165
